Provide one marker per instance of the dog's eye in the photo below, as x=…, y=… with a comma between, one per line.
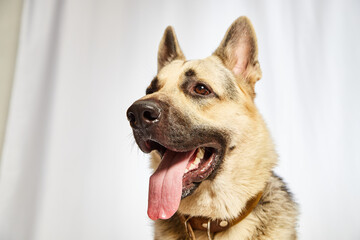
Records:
x=201, y=89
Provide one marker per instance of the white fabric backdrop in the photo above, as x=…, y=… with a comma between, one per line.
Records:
x=70, y=168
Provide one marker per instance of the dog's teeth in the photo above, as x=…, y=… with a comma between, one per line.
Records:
x=193, y=165
x=200, y=153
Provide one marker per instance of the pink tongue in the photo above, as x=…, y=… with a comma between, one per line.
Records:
x=165, y=186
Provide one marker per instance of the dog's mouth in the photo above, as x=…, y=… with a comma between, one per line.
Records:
x=199, y=167
x=179, y=174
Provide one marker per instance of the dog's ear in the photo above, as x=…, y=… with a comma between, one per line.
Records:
x=238, y=51
x=169, y=48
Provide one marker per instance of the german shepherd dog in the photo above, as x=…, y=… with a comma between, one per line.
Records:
x=211, y=152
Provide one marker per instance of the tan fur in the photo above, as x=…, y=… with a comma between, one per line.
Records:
x=273, y=218
x=247, y=168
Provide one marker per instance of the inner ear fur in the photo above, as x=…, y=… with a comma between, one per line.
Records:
x=169, y=48
x=238, y=51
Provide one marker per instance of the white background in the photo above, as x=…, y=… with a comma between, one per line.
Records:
x=70, y=169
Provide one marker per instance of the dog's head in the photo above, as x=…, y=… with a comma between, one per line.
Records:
x=209, y=145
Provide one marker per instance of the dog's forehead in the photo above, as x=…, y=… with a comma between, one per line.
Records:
x=209, y=70
x=170, y=73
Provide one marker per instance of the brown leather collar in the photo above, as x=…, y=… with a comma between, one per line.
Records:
x=218, y=225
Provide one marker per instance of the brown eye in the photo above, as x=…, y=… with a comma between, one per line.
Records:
x=201, y=89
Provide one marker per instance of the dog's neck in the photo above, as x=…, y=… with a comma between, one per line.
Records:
x=217, y=225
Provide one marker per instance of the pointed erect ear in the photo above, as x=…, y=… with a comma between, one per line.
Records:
x=238, y=51
x=169, y=48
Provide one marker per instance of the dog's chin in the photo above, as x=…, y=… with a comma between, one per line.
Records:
x=203, y=165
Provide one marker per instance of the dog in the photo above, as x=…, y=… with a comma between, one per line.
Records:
x=211, y=152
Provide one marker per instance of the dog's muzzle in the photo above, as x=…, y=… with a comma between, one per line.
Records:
x=143, y=114
x=190, y=153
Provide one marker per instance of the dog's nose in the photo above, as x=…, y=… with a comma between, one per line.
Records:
x=143, y=113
